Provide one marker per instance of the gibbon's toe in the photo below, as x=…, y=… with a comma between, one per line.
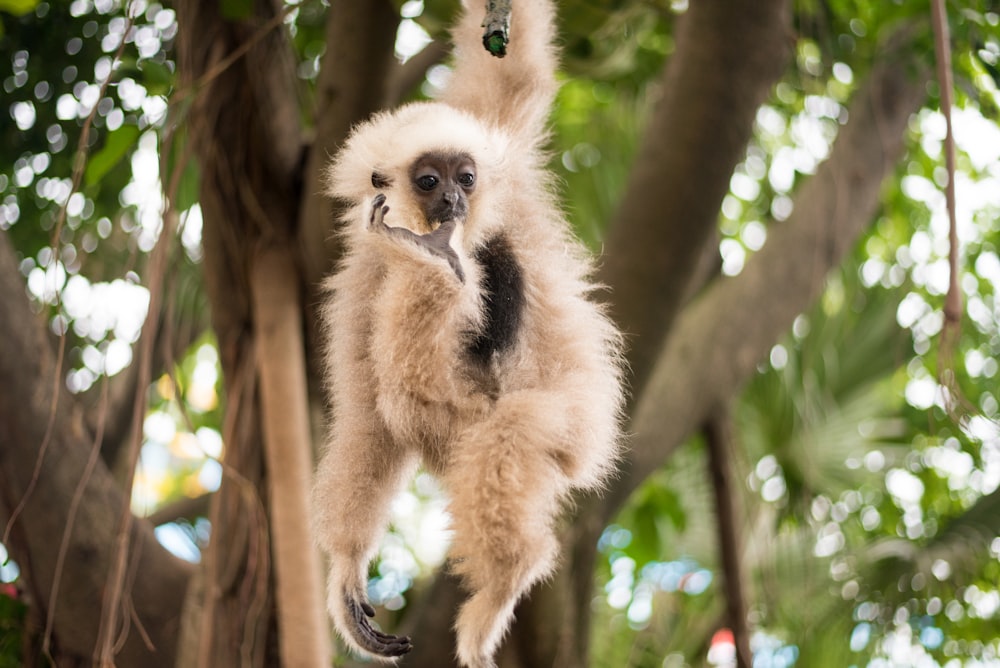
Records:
x=371, y=639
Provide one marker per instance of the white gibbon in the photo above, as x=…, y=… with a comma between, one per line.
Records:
x=461, y=333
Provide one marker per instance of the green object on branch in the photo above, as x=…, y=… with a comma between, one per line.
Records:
x=497, y=24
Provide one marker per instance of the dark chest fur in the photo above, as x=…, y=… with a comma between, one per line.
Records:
x=502, y=284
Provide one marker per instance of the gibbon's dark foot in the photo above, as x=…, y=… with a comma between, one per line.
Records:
x=371, y=639
x=437, y=242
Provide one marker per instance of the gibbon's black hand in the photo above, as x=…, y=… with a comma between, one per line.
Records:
x=378, y=213
x=371, y=639
x=437, y=242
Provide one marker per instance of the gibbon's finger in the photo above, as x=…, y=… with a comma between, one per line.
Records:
x=378, y=219
x=378, y=212
x=371, y=639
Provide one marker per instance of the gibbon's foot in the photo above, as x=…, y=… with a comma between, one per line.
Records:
x=436, y=242
x=371, y=639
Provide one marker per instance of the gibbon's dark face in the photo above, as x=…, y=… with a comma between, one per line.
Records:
x=443, y=184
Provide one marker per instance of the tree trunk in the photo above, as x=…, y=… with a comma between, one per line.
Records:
x=302, y=625
x=244, y=131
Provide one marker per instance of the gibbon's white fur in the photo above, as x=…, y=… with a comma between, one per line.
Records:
x=502, y=376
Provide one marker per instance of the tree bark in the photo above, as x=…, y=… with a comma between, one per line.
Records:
x=302, y=626
x=28, y=367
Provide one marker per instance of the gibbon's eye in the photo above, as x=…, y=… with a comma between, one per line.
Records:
x=466, y=179
x=427, y=182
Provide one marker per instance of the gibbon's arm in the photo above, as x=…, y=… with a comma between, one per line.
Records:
x=360, y=471
x=437, y=243
x=514, y=93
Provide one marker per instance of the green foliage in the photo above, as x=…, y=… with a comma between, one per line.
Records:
x=13, y=617
x=117, y=146
x=597, y=125
x=616, y=41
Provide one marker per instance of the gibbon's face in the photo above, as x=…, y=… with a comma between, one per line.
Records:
x=442, y=184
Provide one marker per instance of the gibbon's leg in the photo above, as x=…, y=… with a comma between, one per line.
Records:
x=437, y=242
x=506, y=484
x=355, y=485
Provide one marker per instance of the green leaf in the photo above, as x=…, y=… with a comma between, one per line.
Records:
x=157, y=77
x=117, y=146
x=18, y=7
x=645, y=545
x=670, y=505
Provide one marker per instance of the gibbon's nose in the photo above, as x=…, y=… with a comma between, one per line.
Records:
x=451, y=197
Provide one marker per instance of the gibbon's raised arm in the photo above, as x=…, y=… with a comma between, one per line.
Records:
x=460, y=334
x=514, y=92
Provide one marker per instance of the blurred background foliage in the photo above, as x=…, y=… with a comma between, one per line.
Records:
x=869, y=502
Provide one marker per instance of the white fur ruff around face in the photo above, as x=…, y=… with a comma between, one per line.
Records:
x=389, y=141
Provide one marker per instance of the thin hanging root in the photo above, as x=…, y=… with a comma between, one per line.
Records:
x=497, y=25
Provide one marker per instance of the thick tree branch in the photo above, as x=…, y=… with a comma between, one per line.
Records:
x=25, y=360
x=745, y=315
x=728, y=56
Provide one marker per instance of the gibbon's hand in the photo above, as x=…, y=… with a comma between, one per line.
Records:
x=437, y=242
x=378, y=213
x=372, y=640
